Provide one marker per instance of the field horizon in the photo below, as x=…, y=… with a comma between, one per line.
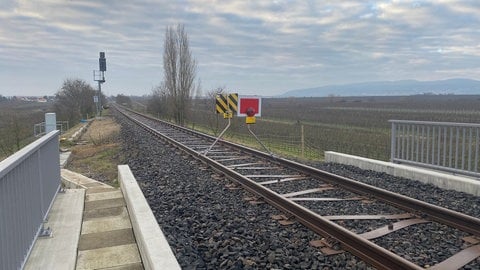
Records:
x=306, y=127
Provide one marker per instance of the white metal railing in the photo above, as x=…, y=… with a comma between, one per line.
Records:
x=452, y=147
x=39, y=129
x=29, y=182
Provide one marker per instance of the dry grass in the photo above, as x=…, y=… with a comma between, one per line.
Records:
x=98, y=153
x=71, y=131
x=102, y=131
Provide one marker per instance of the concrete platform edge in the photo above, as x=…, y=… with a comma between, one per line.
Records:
x=65, y=219
x=439, y=179
x=73, y=180
x=153, y=246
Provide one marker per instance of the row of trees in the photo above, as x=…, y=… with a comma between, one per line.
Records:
x=171, y=98
x=75, y=101
x=17, y=119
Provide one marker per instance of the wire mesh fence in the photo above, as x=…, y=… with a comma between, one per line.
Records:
x=452, y=147
x=307, y=127
x=302, y=140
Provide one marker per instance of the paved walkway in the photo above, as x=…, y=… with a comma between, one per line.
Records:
x=91, y=229
x=107, y=238
x=59, y=251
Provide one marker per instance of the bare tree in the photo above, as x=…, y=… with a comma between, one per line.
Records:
x=213, y=119
x=158, y=102
x=14, y=130
x=74, y=101
x=198, y=89
x=16, y=121
x=179, y=71
x=220, y=90
x=123, y=100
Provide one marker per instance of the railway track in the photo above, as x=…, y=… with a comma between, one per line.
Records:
x=299, y=191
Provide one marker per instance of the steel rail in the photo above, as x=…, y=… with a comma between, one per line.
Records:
x=371, y=253
x=439, y=214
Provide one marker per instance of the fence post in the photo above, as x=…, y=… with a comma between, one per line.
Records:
x=50, y=122
x=302, y=140
x=435, y=143
x=393, y=144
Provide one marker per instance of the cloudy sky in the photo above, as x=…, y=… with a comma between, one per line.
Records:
x=251, y=47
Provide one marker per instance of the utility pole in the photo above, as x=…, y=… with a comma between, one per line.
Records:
x=99, y=76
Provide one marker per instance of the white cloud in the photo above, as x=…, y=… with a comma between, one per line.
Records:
x=281, y=44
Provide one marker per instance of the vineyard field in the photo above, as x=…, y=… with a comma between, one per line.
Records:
x=306, y=127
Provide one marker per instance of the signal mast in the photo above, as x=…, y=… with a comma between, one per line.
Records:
x=99, y=76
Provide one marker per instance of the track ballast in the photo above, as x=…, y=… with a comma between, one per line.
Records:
x=240, y=248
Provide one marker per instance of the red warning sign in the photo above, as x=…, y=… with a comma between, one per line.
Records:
x=249, y=106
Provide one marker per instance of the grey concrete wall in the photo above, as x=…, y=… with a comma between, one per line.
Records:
x=153, y=246
x=443, y=180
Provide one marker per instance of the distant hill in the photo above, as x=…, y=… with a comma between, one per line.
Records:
x=392, y=88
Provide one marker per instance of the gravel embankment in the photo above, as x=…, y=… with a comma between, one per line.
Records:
x=454, y=200
x=210, y=226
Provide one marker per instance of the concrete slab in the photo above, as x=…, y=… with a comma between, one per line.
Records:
x=106, y=229
x=154, y=248
x=108, y=257
x=65, y=219
x=93, y=185
x=99, y=189
x=133, y=266
x=81, y=129
x=439, y=179
x=106, y=224
x=106, y=239
x=104, y=204
x=104, y=213
x=64, y=158
x=110, y=194
x=76, y=180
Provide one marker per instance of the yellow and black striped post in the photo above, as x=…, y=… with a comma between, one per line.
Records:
x=226, y=104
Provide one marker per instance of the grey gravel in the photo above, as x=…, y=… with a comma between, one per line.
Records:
x=210, y=226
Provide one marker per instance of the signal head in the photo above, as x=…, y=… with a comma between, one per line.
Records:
x=250, y=112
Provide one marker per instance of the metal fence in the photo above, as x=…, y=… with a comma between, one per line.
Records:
x=29, y=182
x=452, y=147
x=39, y=129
